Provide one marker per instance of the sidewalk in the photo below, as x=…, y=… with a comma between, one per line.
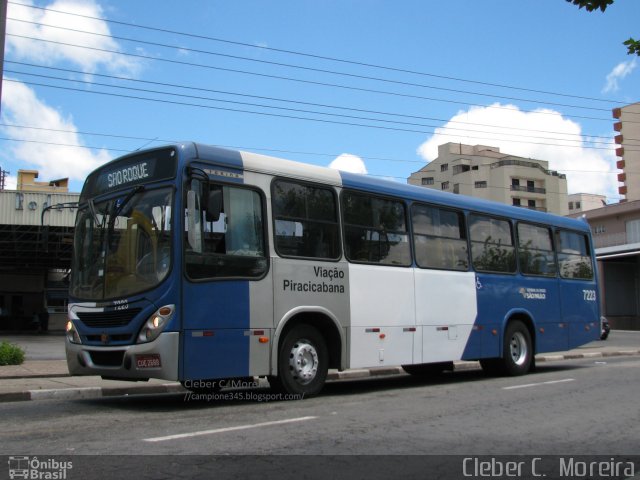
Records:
x=49, y=379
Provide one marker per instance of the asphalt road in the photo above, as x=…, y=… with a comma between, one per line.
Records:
x=573, y=408
x=580, y=407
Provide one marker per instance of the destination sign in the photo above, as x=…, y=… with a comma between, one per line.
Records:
x=131, y=171
x=128, y=174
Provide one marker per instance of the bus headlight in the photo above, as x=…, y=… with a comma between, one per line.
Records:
x=155, y=324
x=72, y=333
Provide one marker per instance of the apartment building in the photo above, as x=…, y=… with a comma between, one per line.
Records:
x=484, y=172
x=628, y=141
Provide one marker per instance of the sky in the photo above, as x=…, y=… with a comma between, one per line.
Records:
x=368, y=86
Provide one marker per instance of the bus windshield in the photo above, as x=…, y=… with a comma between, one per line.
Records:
x=122, y=245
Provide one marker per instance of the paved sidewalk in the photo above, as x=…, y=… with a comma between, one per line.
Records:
x=39, y=379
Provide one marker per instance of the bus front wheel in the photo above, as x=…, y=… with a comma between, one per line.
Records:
x=303, y=362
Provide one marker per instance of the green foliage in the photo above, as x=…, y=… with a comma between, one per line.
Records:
x=10, y=354
x=495, y=257
x=591, y=5
x=633, y=46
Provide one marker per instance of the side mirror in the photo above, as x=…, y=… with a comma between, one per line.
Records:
x=214, y=205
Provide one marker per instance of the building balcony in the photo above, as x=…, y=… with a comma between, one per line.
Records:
x=524, y=188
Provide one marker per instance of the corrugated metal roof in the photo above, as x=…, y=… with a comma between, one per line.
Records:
x=25, y=208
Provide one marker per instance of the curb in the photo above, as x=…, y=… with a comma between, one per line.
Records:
x=84, y=393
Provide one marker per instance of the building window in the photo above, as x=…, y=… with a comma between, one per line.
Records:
x=19, y=201
x=531, y=203
x=444, y=167
x=427, y=181
x=633, y=231
x=445, y=186
x=456, y=188
x=515, y=182
x=481, y=184
x=516, y=202
x=460, y=169
x=530, y=185
x=578, y=205
x=570, y=205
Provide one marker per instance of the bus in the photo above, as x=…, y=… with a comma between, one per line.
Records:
x=198, y=264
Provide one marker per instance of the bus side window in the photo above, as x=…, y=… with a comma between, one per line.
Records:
x=492, y=248
x=306, y=221
x=375, y=230
x=535, y=250
x=440, y=238
x=232, y=242
x=574, y=255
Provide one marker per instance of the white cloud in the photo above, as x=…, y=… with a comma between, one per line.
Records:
x=53, y=160
x=557, y=140
x=49, y=53
x=10, y=182
x=349, y=163
x=618, y=73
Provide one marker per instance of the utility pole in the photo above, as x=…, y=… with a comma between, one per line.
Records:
x=3, y=32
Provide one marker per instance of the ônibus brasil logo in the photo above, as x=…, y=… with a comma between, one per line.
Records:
x=33, y=468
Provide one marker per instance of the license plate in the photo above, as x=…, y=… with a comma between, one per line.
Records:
x=148, y=361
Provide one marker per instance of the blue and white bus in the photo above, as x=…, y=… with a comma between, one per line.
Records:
x=194, y=263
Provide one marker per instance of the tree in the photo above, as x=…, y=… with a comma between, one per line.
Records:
x=633, y=46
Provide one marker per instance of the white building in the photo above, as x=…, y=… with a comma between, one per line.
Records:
x=484, y=172
x=581, y=202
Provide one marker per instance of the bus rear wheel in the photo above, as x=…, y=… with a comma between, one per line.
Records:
x=517, y=352
x=303, y=362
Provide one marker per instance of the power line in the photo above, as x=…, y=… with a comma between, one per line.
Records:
x=279, y=77
x=319, y=57
x=297, y=102
x=300, y=110
x=312, y=69
x=234, y=147
x=293, y=117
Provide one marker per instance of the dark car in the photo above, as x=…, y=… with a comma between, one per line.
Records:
x=604, y=328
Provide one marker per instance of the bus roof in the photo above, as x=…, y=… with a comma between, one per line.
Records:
x=278, y=166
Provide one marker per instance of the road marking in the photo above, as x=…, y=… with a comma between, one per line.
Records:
x=227, y=429
x=550, y=382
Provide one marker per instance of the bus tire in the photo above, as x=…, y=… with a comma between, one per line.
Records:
x=517, y=352
x=303, y=362
x=428, y=369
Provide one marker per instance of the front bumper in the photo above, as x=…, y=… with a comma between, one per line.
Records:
x=122, y=362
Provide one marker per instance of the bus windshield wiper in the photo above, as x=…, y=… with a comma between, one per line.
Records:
x=125, y=200
x=94, y=214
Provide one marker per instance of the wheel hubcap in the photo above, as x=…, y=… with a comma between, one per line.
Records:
x=303, y=362
x=518, y=348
